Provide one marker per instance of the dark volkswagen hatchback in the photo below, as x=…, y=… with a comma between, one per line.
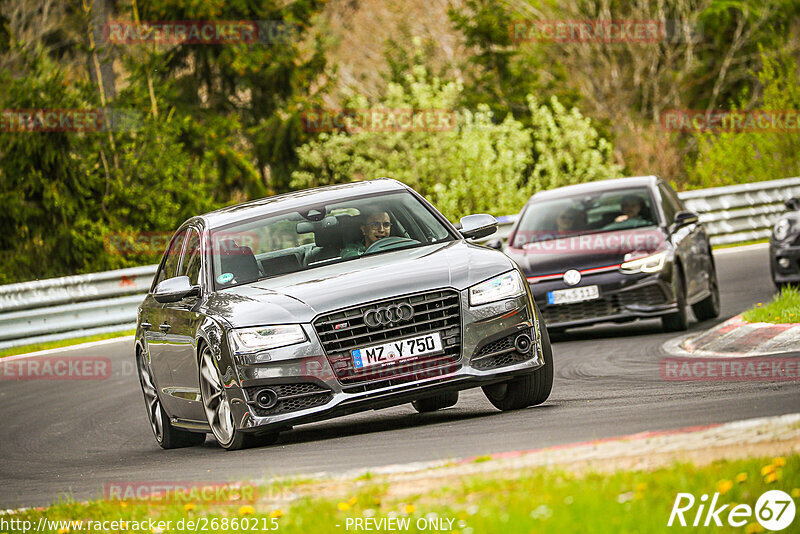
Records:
x=615, y=250
x=325, y=302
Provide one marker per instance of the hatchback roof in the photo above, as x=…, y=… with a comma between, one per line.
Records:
x=596, y=187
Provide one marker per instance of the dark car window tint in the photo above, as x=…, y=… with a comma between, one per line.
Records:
x=171, y=258
x=191, y=259
x=580, y=214
x=318, y=235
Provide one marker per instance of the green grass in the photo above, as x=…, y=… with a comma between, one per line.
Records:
x=23, y=349
x=531, y=500
x=784, y=308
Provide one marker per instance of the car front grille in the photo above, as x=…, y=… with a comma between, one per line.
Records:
x=499, y=353
x=650, y=295
x=434, y=311
x=291, y=398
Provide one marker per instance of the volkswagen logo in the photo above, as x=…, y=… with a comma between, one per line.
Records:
x=572, y=277
x=387, y=315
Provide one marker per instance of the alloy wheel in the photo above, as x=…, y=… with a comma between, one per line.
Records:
x=215, y=402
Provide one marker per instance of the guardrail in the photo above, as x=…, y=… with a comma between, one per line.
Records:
x=82, y=305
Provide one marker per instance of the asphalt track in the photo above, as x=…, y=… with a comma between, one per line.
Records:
x=74, y=437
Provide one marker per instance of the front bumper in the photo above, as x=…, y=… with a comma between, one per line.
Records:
x=623, y=297
x=313, y=392
x=784, y=274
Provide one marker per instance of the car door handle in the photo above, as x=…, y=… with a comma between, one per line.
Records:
x=164, y=327
x=146, y=326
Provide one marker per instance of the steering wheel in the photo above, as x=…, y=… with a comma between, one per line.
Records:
x=388, y=243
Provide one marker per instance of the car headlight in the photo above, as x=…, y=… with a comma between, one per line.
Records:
x=265, y=337
x=498, y=288
x=781, y=229
x=648, y=264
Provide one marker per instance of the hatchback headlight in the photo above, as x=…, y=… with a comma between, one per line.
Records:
x=781, y=229
x=265, y=337
x=648, y=264
x=498, y=288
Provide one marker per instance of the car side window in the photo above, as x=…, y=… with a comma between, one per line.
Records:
x=670, y=203
x=169, y=267
x=190, y=266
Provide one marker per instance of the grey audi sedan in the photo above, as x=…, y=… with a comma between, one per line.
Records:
x=320, y=303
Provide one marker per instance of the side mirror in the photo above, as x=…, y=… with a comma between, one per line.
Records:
x=175, y=289
x=793, y=204
x=496, y=243
x=682, y=218
x=477, y=226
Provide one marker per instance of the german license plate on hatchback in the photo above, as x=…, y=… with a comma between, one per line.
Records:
x=576, y=294
x=396, y=350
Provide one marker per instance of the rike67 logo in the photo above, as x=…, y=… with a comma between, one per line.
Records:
x=774, y=510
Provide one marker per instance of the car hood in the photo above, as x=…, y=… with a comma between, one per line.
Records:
x=301, y=296
x=588, y=251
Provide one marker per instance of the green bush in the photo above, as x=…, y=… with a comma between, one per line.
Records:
x=735, y=157
x=479, y=165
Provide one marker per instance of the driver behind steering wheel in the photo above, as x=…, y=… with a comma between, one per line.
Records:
x=375, y=225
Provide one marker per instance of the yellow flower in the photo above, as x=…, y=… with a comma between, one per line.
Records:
x=123, y=504
x=343, y=506
x=409, y=508
x=276, y=513
x=741, y=477
x=189, y=506
x=780, y=461
x=641, y=486
x=753, y=527
x=724, y=486
x=62, y=530
x=796, y=493
x=352, y=501
x=246, y=510
x=770, y=478
x=767, y=469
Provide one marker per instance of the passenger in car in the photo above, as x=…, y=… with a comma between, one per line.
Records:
x=376, y=224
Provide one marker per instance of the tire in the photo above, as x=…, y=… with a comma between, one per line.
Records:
x=528, y=390
x=167, y=436
x=678, y=321
x=437, y=402
x=216, y=406
x=708, y=308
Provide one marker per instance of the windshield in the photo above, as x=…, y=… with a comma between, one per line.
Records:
x=609, y=211
x=320, y=235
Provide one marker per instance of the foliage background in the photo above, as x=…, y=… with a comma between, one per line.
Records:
x=215, y=125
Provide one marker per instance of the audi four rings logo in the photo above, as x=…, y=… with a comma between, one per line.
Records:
x=384, y=316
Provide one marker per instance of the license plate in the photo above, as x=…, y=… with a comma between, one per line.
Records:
x=396, y=350
x=576, y=294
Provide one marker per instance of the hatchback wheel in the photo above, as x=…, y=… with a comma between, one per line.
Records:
x=708, y=308
x=167, y=436
x=678, y=321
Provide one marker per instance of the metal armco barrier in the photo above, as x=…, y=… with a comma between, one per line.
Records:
x=75, y=306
